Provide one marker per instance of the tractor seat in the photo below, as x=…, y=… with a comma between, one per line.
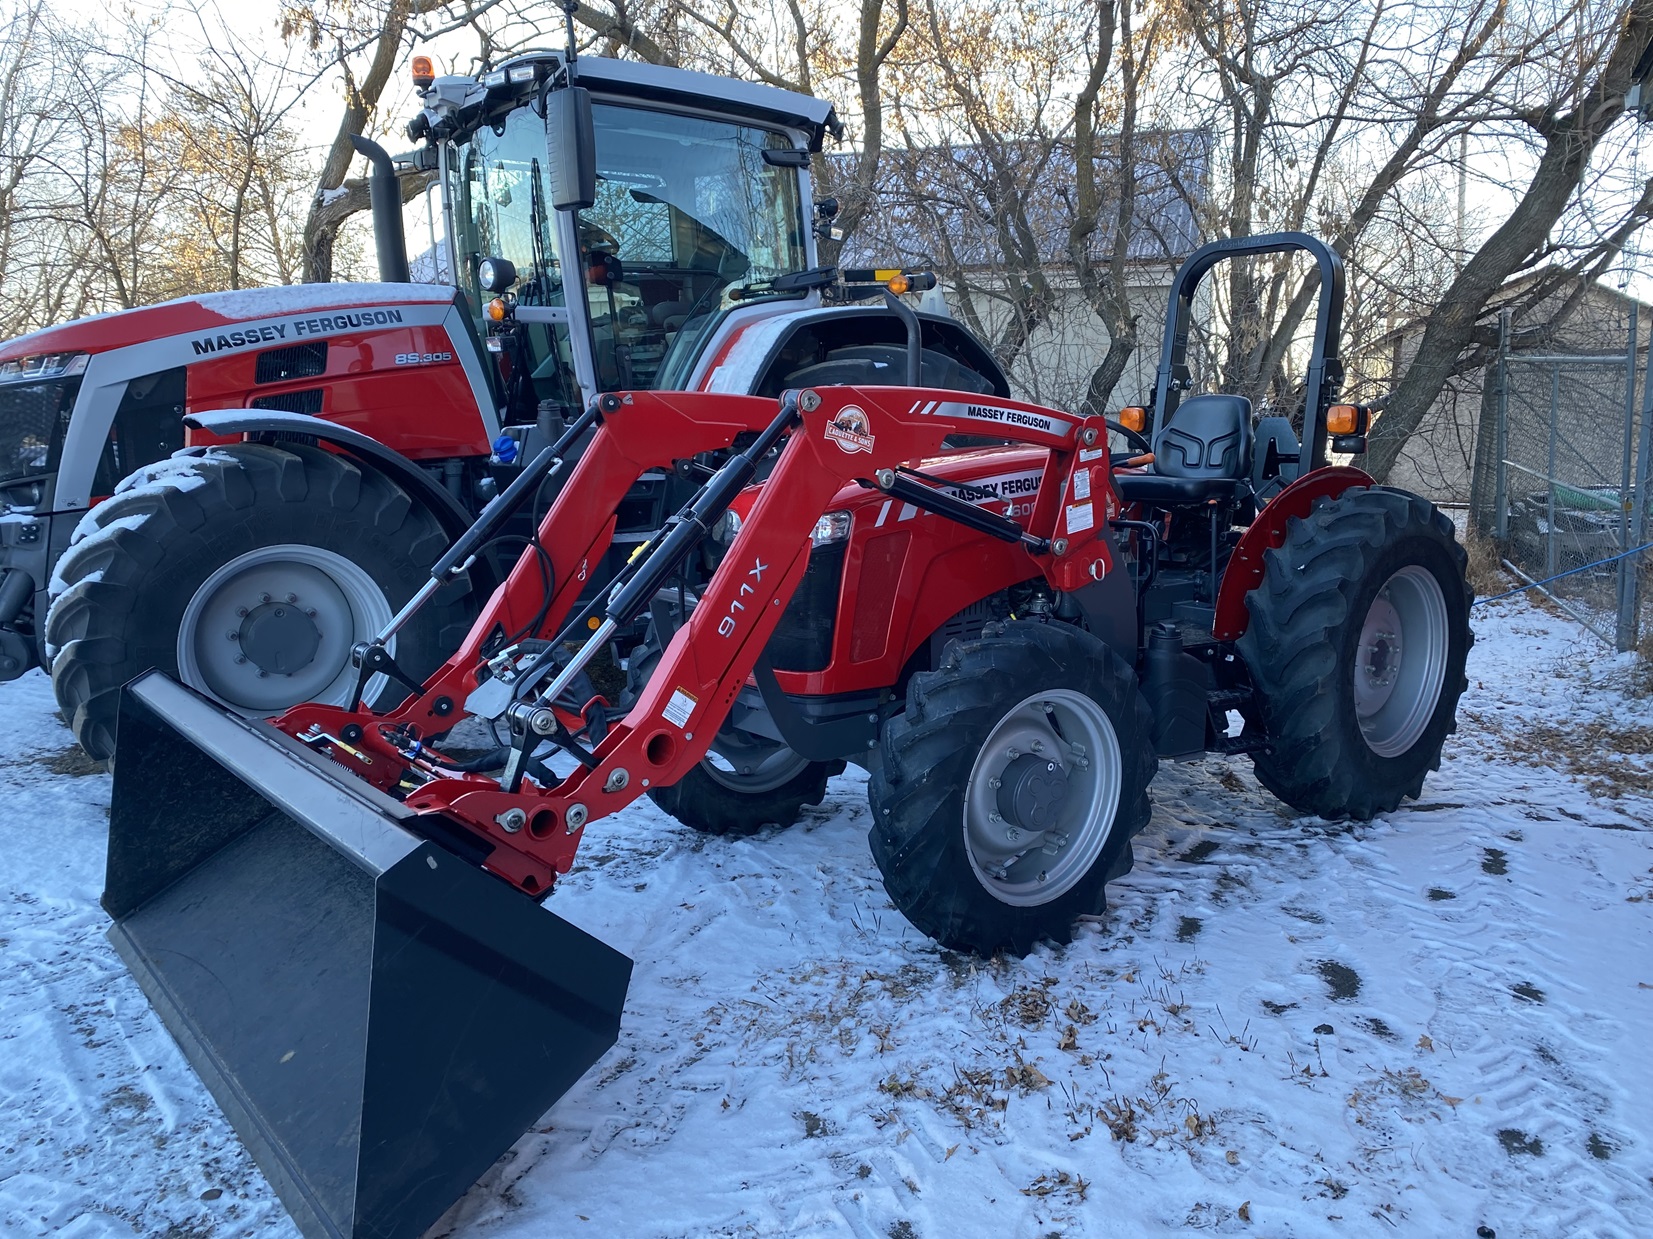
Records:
x=1203, y=452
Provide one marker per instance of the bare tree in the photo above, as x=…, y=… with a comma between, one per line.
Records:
x=1568, y=123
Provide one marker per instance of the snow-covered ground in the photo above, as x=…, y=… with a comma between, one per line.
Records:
x=1423, y=1025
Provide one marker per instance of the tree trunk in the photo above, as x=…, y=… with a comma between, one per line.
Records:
x=1568, y=142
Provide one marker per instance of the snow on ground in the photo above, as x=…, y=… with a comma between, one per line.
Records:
x=1421, y=1025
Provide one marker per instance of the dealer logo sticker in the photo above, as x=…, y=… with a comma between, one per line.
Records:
x=850, y=430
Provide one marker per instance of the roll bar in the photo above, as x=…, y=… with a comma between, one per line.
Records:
x=1325, y=376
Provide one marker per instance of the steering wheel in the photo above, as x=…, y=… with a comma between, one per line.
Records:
x=1142, y=446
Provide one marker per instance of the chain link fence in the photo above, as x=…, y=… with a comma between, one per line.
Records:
x=1560, y=480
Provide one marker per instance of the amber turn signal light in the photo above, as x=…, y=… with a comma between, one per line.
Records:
x=1345, y=419
x=1133, y=419
x=496, y=310
x=424, y=73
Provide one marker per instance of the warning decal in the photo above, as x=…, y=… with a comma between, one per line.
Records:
x=679, y=708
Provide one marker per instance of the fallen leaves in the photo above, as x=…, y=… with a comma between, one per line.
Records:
x=1061, y=1183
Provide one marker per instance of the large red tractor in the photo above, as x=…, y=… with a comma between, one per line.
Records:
x=339, y=918
x=662, y=235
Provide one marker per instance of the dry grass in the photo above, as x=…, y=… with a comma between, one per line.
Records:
x=1611, y=758
x=1641, y=675
x=1485, y=570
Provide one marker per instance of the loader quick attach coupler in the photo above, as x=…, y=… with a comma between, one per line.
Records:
x=378, y=1017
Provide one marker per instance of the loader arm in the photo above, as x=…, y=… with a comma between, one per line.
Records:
x=833, y=437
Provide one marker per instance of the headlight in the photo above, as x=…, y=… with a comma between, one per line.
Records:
x=496, y=274
x=728, y=525
x=42, y=366
x=833, y=527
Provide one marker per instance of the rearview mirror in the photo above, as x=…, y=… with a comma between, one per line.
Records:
x=573, y=144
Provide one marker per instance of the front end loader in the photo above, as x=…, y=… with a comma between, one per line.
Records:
x=340, y=922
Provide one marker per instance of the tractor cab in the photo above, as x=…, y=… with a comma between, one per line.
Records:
x=610, y=219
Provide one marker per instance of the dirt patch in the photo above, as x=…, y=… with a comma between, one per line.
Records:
x=1528, y=991
x=1516, y=1142
x=72, y=761
x=1341, y=980
x=1199, y=852
x=1189, y=928
x=814, y=1125
x=1601, y=1149
x=1305, y=914
x=1378, y=1028
x=1436, y=894
x=1278, y=1008
x=1495, y=862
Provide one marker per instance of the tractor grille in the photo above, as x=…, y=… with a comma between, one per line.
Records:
x=300, y=361
x=803, y=639
x=33, y=417
x=880, y=576
x=307, y=401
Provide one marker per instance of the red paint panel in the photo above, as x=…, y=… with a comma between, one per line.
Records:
x=207, y=313
x=423, y=410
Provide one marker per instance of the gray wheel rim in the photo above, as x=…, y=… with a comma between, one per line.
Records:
x=1400, y=664
x=750, y=766
x=275, y=627
x=1075, y=737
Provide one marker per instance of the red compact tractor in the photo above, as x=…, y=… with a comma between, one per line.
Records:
x=333, y=438
x=340, y=919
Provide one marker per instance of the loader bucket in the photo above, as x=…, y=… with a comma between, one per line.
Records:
x=379, y=1018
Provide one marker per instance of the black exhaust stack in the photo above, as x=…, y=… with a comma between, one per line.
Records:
x=386, y=197
x=378, y=1018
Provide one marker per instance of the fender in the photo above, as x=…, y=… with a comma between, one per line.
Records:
x=452, y=515
x=1245, y=566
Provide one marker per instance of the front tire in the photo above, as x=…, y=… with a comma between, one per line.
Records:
x=1356, y=649
x=193, y=568
x=1010, y=788
x=745, y=787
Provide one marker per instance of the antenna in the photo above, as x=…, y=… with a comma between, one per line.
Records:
x=569, y=8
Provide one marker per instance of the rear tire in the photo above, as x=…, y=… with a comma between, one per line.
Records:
x=1356, y=648
x=173, y=573
x=983, y=883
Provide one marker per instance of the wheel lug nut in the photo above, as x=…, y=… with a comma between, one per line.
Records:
x=1013, y=754
x=995, y=782
x=263, y=674
x=240, y=658
x=310, y=611
x=233, y=636
x=264, y=597
x=1038, y=746
x=241, y=612
x=292, y=597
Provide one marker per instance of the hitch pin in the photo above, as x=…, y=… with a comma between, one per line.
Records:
x=313, y=734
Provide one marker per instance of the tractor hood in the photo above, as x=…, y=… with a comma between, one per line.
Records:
x=284, y=313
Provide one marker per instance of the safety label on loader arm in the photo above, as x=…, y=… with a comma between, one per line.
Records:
x=679, y=708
